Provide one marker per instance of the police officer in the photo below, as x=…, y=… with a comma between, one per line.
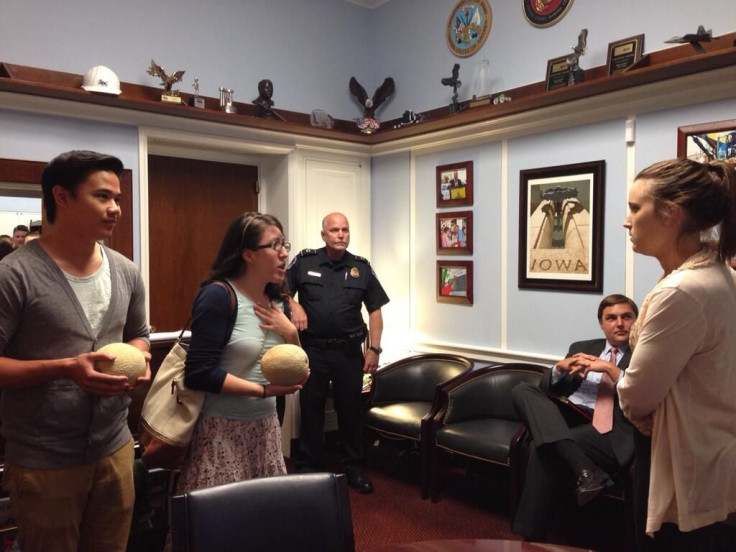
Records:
x=332, y=284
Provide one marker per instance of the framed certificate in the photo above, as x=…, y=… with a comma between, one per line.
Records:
x=622, y=54
x=558, y=73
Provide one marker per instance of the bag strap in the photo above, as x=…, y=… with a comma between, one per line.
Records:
x=233, y=305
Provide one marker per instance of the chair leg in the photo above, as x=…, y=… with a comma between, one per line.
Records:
x=434, y=475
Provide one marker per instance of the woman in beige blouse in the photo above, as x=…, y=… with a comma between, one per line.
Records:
x=680, y=388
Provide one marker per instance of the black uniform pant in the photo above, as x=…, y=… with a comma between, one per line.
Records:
x=548, y=478
x=344, y=368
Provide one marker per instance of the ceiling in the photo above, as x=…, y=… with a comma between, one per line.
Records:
x=368, y=3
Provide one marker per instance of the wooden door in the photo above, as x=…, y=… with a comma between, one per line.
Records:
x=191, y=203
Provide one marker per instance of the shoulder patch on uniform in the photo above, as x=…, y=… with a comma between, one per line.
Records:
x=362, y=259
x=307, y=252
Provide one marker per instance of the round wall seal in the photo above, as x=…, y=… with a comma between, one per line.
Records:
x=543, y=13
x=468, y=26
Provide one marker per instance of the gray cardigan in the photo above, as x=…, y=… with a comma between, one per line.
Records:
x=56, y=424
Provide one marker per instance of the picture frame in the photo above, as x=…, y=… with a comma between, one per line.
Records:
x=454, y=231
x=708, y=141
x=624, y=53
x=455, y=282
x=561, y=212
x=558, y=73
x=455, y=184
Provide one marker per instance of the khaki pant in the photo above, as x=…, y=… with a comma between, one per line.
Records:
x=85, y=508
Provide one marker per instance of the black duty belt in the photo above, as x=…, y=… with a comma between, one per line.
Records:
x=333, y=343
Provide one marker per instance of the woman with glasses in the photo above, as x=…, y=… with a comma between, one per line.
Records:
x=238, y=435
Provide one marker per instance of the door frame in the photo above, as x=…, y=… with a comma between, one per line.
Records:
x=155, y=141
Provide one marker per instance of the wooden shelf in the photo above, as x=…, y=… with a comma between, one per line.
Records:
x=657, y=67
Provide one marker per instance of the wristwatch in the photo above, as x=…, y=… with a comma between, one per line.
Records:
x=376, y=350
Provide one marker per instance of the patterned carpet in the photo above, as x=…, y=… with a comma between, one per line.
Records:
x=469, y=507
x=472, y=505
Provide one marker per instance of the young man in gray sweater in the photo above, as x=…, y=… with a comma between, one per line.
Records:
x=69, y=453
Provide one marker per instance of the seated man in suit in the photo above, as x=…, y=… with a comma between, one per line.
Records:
x=580, y=436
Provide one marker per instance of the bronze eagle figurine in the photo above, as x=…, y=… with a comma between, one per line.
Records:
x=155, y=70
x=371, y=104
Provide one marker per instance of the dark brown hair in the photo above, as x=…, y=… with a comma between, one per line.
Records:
x=244, y=233
x=615, y=299
x=69, y=170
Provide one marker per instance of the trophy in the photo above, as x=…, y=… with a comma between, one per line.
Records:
x=196, y=101
x=226, y=100
x=169, y=95
x=576, y=74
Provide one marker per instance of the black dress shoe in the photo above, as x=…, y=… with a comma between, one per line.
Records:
x=590, y=484
x=359, y=481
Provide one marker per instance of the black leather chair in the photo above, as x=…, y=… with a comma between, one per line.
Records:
x=306, y=512
x=476, y=418
x=403, y=395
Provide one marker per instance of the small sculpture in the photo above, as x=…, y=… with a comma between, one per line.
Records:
x=196, y=101
x=169, y=95
x=264, y=103
x=576, y=74
x=320, y=118
x=694, y=39
x=455, y=82
x=369, y=124
x=226, y=100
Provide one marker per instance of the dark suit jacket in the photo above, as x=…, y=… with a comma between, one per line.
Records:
x=622, y=435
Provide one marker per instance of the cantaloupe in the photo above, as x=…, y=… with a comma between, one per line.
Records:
x=129, y=361
x=285, y=364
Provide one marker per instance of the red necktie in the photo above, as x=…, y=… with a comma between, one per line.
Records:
x=603, y=412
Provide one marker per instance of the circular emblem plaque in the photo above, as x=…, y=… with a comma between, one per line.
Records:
x=543, y=13
x=468, y=26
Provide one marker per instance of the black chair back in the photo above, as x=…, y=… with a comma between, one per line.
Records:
x=306, y=512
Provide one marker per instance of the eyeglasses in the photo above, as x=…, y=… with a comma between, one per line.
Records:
x=276, y=245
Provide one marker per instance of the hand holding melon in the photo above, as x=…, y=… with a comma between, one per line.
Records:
x=285, y=364
x=129, y=361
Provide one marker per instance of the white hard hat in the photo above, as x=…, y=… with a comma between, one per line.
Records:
x=101, y=79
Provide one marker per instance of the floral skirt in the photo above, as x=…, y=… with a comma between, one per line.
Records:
x=225, y=451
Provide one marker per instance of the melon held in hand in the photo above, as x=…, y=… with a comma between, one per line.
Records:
x=285, y=364
x=128, y=362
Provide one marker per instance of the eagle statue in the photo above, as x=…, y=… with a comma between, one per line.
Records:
x=368, y=123
x=155, y=70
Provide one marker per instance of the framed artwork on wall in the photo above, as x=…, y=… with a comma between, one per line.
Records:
x=455, y=184
x=454, y=233
x=708, y=141
x=561, y=227
x=455, y=282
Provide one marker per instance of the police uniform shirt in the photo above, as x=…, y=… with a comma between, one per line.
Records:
x=332, y=292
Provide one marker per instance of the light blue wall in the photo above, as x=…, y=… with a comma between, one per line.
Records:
x=560, y=317
x=391, y=245
x=40, y=138
x=309, y=49
x=479, y=324
x=409, y=42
